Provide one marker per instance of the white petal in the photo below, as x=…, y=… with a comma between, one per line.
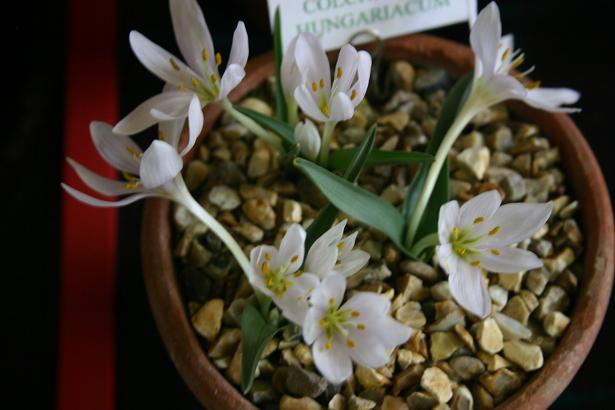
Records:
x=160, y=164
x=507, y=42
x=391, y=332
x=334, y=363
x=368, y=350
x=515, y=222
x=324, y=252
x=345, y=69
x=114, y=148
x=192, y=34
x=342, y=108
x=258, y=256
x=370, y=300
x=308, y=138
x=171, y=131
x=292, y=248
x=469, y=290
x=104, y=204
x=294, y=302
x=347, y=244
x=550, y=99
x=351, y=263
x=195, y=124
x=141, y=117
x=446, y=257
x=447, y=220
x=363, y=73
x=485, y=37
x=105, y=186
x=232, y=76
x=509, y=260
x=311, y=324
x=331, y=288
x=240, y=47
x=481, y=206
x=502, y=87
x=290, y=74
x=312, y=61
x=304, y=99
x=160, y=62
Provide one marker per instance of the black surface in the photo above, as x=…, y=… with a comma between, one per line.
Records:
x=566, y=41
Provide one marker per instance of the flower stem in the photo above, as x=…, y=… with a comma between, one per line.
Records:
x=183, y=196
x=460, y=122
x=291, y=107
x=250, y=124
x=326, y=141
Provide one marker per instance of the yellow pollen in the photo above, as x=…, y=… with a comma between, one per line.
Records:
x=325, y=109
x=298, y=274
x=173, y=64
x=494, y=231
x=269, y=282
x=331, y=301
x=479, y=220
x=133, y=152
x=455, y=231
x=355, y=313
x=265, y=267
x=194, y=81
x=294, y=259
x=533, y=85
x=314, y=87
x=132, y=184
x=495, y=252
x=161, y=135
x=328, y=345
x=218, y=59
x=475, y=263
x=517, y=62
x=461, y=251
x=340, y=245
x=128, y=177
x=353, y=94
x=267, y=256
x=339, y=72
x=350, y=343
x=361, y=326
x=322, y=323
x=506, y=53
x=204, y=54
x=213, y=78
x=322, y=83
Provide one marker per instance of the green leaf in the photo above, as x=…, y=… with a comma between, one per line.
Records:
x=341, y=157
x=451, y=107
x=354, y=165
x=256, y=333
x=280, y=101
x=358, y=203
x=281, y=128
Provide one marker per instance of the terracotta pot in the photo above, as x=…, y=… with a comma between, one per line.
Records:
x=587, y=184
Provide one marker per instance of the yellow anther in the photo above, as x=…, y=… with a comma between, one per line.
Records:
x=517, y=62
x=133, y=152
x=269, y=282
x=494, y=231
x=322, y=323
x=495, y=252
x=331, y=301
x=461, y=251
x=213, y=78
x=204, y=54
x=161, y=135
x=533, y=85
x=128, y=177
x=353, y=94
x=218, y=59
x=314, y=87
x=340, y=245
x=328, y=346
x=478, y=220
x=325, y=109
x=298, y=274
x=173, y=64
x=267, y=256
x=340, y=72
x=132, y=184
x=294, y=259
x=265, y=267
x=506, y=53
x=355, y=313
x=475, y=263
x=455, y=231
x=350, y=343
x=322, y=83
x=194, y=81
x=361, y=326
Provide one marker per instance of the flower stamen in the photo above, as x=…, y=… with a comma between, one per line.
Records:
x=339, y=72
x=475, y=263
x=478, y=220
x=173, y=64
x=496, y=252
x=218, y=59
x=494, y=231
x=204, y=54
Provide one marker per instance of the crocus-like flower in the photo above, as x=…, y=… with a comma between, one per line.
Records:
x=308, y=138
x=482, y=234
x=360, y=330
x=275, y=272
x=289, y=72
x=149, y=173
x=317, y=96
x=493, y=81
x=198, y=77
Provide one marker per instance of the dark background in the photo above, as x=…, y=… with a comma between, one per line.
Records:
x=567, y=40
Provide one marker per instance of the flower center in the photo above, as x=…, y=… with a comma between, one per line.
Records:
x=276, y=280
x=337, y=322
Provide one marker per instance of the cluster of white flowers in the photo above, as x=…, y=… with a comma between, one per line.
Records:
x=311, y=296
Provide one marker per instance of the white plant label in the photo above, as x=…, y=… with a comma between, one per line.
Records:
x=335, y=22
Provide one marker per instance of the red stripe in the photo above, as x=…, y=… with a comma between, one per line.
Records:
x=86, y=368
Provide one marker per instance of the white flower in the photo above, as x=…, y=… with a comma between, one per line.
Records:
x=482, y=234
x=493, y=82
x=308, y=138
x=333, y=254
x=289, y=72
x=199, y=77
x=317, y=97
x=149, y=173
x=360, y=330
x=275, y=272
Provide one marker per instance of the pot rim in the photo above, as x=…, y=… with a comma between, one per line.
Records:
x=585, y=178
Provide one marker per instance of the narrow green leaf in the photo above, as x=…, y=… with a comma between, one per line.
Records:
x=452, y=105
x=354, y=165
x=358, y=203
x=340, y=158
x=256, y=333
x=278, y=52
x=282, y=129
